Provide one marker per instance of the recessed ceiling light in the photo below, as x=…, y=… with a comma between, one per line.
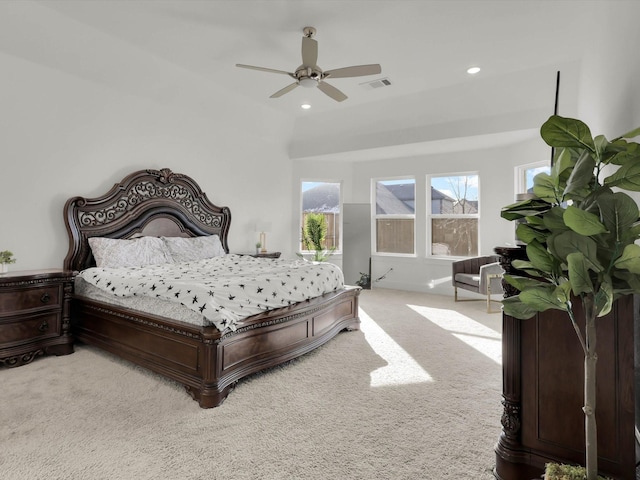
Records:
x=473, y=70
x=305, y=106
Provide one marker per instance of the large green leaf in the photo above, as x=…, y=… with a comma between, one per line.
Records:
x=527, y=267
x=632, y=134
x=630, y=259
x=562, y=162
x=582, y=222
x=581, y=176
x=536, y=222
x=546, y=187
x=527, y=233
x=554, y=219
x=579, y=274
x=621, y=152
x=567, y=132
x=563, y=244
x=619, y=212
x=626, y=177
x=513, y=307
x=542, y=298
x=631, y=280
x=539, y=257
x=522, y=283
x=604, y=297
x=601, y=143
x=623, y=158
x=525, y=208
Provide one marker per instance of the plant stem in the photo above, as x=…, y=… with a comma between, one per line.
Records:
x=577, y=329
x=590, y=360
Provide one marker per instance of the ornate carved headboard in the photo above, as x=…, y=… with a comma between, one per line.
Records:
x=146, y=202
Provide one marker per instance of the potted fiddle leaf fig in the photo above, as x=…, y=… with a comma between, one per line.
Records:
x=580, y=231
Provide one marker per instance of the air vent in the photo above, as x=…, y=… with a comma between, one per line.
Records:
x=380, y=82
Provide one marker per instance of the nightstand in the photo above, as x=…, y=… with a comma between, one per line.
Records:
x=262, y=255
x=266, y=255
x=34, y=315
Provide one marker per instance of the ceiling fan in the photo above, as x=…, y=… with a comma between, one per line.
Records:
x=309, y=74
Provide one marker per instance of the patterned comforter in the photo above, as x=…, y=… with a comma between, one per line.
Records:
x=225, y=289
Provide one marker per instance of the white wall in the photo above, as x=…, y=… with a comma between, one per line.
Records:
x=609, y=97
x=65, y=134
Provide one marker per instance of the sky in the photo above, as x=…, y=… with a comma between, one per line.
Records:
x=449, y=186
x=446, y=185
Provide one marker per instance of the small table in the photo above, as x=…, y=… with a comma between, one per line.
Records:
x=34, y=315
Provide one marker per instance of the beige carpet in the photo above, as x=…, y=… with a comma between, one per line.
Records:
x=425, y=404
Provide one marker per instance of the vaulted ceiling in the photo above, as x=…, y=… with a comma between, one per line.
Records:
x=423, y=46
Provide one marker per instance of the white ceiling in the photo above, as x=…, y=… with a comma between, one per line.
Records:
x=423, y=46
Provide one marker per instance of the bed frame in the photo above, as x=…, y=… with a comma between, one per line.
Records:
x=207, y=362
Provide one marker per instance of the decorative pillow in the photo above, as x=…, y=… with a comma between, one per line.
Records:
x=189, y=249
x=138, y=252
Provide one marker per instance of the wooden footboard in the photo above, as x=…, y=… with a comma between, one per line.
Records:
x=207, y=363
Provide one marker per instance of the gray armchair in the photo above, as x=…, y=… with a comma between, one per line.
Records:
x=481, y=275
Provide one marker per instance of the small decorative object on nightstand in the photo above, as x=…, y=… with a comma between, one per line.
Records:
x=263, y=228
x=34, y=315
x=6, y=257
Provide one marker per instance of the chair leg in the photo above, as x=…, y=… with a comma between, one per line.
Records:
x=489, y=298
x=489, y=294
x=455, y=294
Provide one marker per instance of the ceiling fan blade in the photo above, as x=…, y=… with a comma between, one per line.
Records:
x=286, y=89
x=355, y=71
x=262, y=69
x=332, y=91
x=309, y=52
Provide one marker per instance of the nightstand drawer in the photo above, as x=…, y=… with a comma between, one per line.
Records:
x=22, y=299
x=29, y=328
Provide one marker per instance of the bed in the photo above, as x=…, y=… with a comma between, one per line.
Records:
x=208, y=361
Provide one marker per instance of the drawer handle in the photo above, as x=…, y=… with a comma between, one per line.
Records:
x=45, y=298
x=43, y=326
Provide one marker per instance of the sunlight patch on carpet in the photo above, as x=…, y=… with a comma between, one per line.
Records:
x=476, y=335
x=401, y=368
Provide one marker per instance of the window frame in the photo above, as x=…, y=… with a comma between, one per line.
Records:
x=338, y=250
x=431, y=216
x=521, y=174
x=375, y=216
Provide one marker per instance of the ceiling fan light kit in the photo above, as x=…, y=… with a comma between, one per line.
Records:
x=309, y=74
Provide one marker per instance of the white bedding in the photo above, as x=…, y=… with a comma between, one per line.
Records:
x=224, y=290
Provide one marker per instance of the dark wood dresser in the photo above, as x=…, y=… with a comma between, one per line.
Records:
x=34, y=315
x=543, y=384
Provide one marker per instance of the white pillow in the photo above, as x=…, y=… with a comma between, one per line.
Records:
x=138, y=252
x=189, y=249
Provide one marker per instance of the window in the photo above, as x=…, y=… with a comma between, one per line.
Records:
x=525, y=174
x=395, y=216
x=453, y=216
x=322, y=198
